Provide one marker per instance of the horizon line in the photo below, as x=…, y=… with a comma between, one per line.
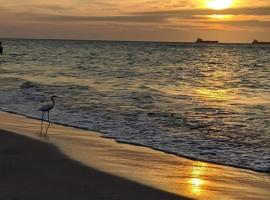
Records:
x=111, y=40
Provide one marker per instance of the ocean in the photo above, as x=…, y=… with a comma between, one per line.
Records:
x=207, y=102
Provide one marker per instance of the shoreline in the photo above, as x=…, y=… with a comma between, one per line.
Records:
x=146, y=166
x=141, y=145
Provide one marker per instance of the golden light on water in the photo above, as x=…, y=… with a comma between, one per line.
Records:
x=219, y=4
x=213, y=94
x=214, y=87
x=196, y=182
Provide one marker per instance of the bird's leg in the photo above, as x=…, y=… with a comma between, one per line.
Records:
x=49, y=123
x=41, y=123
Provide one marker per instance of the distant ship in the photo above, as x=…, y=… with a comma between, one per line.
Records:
x=199, y=40
x=257, y=42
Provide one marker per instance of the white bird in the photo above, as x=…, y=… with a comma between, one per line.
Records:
x=47, y=108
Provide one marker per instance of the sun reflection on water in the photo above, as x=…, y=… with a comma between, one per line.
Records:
x=215, y=86
x=196, y=182
x=213, y=94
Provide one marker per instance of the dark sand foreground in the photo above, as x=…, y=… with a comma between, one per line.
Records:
x=30, y=169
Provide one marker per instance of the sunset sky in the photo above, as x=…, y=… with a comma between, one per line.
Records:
x=155, y=20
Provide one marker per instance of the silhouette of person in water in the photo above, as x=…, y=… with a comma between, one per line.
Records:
x=1, y=48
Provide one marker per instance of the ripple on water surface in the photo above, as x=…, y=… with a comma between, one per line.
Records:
x=209, y=102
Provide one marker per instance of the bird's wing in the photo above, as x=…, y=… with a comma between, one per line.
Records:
x=45, y=107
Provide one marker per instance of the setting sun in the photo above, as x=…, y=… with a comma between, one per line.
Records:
x=219, y=4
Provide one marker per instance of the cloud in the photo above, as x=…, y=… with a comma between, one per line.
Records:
x=122, y=18
x=188, y=12
x=246, y=23
x=191, y=16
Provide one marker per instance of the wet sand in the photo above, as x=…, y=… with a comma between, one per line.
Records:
x=86, y=152
x=31, y=169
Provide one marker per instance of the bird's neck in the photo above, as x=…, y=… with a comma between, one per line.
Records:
x=53, y=102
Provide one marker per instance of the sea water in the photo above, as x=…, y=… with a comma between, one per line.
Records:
x=206, y=102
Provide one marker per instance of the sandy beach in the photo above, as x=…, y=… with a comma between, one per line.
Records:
x=32, y=169
x=76, y=164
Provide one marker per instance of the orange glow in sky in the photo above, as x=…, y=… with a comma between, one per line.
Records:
x=219, y=4
x=159, y=20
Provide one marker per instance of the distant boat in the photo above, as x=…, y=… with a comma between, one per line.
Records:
x=199, y=40
x=257, y=42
